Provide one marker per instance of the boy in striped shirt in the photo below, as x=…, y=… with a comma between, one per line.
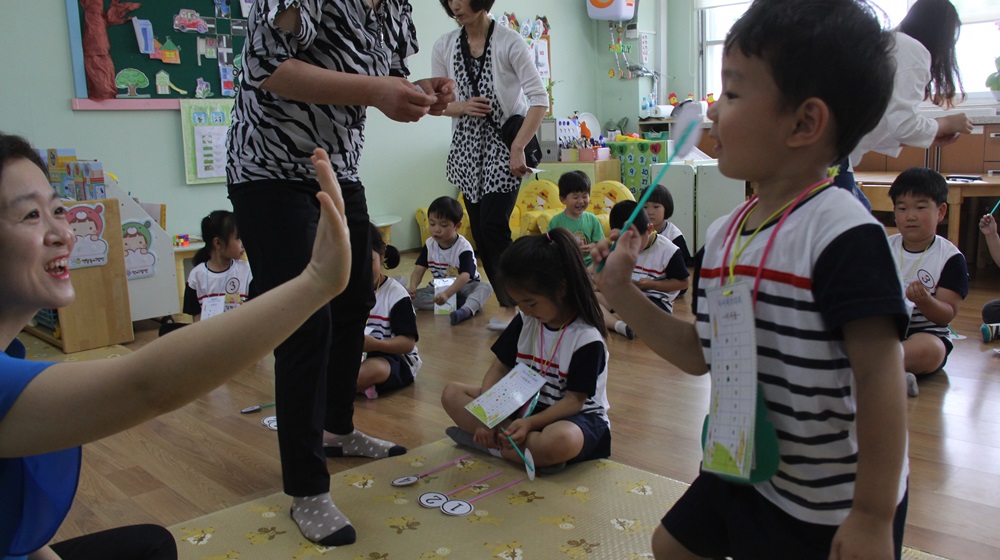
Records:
x=827, y=311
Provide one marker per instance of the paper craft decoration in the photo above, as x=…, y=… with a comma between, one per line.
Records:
x=100, y=69
x=131, y=79
x=137, y=239
x=440, y=285
x=510, y=393
x=87, y=223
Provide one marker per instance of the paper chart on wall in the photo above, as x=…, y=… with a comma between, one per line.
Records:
x=729, y=441
x=204, y=127
x=503, y=399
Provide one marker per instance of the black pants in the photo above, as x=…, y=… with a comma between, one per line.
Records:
x=135, y=542
x=490, y=222
x=316, y=368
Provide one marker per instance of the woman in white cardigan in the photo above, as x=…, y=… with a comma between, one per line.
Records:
x=496, y=77
x=925, y=69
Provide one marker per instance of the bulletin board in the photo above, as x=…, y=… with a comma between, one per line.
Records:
x=160, y=49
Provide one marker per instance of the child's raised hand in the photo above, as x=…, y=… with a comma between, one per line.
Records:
x=988, y=225
x=330, y=265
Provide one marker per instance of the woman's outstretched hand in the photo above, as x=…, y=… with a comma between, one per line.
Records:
x=330, y=265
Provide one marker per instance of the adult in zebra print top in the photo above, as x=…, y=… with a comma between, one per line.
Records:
x=310, y=70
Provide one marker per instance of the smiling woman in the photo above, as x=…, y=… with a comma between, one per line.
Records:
x=39, y=452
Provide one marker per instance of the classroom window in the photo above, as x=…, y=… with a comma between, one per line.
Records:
x=974, y=61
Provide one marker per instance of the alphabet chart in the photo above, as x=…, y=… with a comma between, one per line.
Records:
x=729, y=440
x=504, y=398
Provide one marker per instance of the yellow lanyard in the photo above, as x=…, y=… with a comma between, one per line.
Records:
x=739, y=247
x=916, y=266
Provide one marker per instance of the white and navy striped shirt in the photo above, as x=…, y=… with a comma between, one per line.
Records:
x=273, y=137
x=450, y=262
x=830, y=265
x=659, y=261
x=941, y=265
x=578, y=362
x=393, y=316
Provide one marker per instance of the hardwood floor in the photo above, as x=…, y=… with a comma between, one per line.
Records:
x=207, y=456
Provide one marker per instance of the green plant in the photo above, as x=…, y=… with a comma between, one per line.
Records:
x=993, y=81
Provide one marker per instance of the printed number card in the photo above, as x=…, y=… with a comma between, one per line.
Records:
x=729, y=446
x=503, y=399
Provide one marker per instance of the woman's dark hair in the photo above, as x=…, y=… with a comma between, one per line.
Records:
x=550, y=265
x=811, y=48
x=390, y=255
x=14, y=147
x=219, y=224
x=661, y=195
x=476, y=5
x=935, y=24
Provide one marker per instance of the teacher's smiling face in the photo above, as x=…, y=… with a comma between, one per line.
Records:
x=35, y=241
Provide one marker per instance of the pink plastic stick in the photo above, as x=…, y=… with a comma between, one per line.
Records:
x=485, y=478
x=495, y=490
x=444, y=466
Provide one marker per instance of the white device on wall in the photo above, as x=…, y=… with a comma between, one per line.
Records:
x=614, y=10
x=548, y=139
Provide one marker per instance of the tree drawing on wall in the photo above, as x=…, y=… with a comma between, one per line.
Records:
x=132, y=79
x=98, y=65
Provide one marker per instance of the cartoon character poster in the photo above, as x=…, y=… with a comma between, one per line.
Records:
x=139, y=261
x=87, y=223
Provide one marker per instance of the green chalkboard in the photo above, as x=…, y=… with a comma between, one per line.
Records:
x=206, y=36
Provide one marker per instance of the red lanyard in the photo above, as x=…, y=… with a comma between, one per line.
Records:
x=735, y=228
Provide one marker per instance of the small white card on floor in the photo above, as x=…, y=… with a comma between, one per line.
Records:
x=503, y=399
x=729, y=440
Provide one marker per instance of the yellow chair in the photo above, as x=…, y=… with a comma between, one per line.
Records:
x=425, y=232
x=603, y=196
x=535, y=199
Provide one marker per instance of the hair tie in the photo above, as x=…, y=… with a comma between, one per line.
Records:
x=547, y=236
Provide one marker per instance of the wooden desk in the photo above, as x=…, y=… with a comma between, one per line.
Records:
x=875, y=185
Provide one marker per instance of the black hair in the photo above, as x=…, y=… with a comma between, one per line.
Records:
x=474, y=5
x=219, y=224
x=920, y=181
x=390, y=255
x=661, y=195
x=14, y=147
x=446, y=208
x=935, y=24
x=550, y=265
x=573, y=182
x=622, y=210
x=834, y=50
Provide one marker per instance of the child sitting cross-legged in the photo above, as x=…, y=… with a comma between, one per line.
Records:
x=448, y=255
x=574, y=193
x=391, y=360
x=659, y=272
x=560, y=335
x=932, y=270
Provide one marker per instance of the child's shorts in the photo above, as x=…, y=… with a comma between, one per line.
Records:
x=715, y=518
x=596, y=437
x=399, y=372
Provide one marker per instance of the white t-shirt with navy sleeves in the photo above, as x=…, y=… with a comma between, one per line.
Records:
x=450, y=262
x=830, y=265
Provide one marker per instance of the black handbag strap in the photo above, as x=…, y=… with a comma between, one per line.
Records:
x=468, y=61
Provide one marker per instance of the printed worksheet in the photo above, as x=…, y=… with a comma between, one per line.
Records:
x=503, y=399
x=729, y=441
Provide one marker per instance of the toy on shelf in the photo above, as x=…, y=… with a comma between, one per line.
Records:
x=182, y=240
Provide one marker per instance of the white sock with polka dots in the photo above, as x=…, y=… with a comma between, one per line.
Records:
x=359, y=444
x=321, y=522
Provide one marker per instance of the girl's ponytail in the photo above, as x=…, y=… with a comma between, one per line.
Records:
x=550, y=264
